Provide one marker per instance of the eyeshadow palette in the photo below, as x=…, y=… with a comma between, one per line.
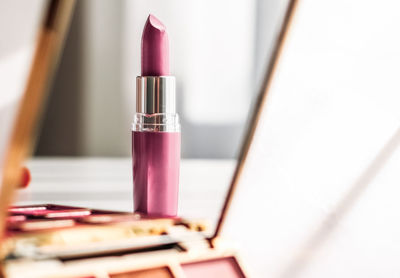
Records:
x=23, y=216
x=82, y=242
x=66, y=232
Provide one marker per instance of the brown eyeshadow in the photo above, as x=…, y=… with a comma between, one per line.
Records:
x=161, y=272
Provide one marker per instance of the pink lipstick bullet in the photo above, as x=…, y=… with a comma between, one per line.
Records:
x=156, y=139
x=155, y=48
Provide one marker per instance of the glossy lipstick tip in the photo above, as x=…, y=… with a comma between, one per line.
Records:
x=155, y=48
x=155, y=22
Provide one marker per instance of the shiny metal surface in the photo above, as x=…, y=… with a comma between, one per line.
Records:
x=166, y=122
x=155, y=94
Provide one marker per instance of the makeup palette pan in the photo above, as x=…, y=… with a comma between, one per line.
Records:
x=220, y=267
x=162, y=272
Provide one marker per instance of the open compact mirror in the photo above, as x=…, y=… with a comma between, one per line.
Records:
x=289, y=132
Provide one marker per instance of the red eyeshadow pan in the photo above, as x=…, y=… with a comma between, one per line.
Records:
x=217, y=268
x=16, y=218
x=23, y=209
x=66, y=213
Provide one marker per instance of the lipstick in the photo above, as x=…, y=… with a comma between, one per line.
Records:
x=156, y=139
x=155, y=48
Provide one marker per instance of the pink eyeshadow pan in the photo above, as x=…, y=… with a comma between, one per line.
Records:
x=25, y=209
x=223, y=267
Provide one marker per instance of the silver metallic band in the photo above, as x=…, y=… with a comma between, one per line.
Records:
x=156, y=122
x=155, y=94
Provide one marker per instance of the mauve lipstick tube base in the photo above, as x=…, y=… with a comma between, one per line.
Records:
x=156, y=159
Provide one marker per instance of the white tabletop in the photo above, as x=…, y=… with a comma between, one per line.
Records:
x=106, y=183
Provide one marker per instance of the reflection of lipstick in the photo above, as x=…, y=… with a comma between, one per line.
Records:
x=156, y=138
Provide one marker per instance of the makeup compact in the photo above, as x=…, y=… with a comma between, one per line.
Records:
x=80, y=242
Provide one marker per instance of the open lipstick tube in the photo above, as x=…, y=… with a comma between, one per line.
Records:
x=156, y=138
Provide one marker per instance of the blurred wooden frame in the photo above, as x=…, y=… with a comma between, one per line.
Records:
x=50, y=41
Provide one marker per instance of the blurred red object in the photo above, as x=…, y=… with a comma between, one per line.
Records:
x=25, y=178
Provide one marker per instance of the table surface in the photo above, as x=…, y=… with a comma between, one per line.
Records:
x=106, y=183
